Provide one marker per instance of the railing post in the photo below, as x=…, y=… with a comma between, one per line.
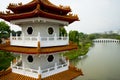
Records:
x=67, y=38
x=39, y=70
x=31, y=70
x=38, y=38
x=11, y=64
x=10, y=36
x=20, y=56
x=16, y=37
x=23, y=66
x=23, y=37
x=55, y=66
x=55, y=37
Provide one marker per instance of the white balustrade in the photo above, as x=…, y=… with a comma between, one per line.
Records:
x=25, y=71
x=33, y=41
x=54, y=70
x=44, y=73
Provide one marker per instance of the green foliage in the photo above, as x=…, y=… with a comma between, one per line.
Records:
x=82, y=36
x=62, y=31
x=91, y=36
x=85, y=41
x=79, y=52
x=4, y=27
x=74, y=36
x=4, y=30
x=110, y=35
x=5, y=59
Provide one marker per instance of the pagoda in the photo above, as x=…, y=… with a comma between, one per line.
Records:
x=40, y=43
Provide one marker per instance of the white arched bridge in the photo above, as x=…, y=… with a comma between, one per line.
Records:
x=106, y=40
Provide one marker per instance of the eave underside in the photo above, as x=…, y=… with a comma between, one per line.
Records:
x=28, y=50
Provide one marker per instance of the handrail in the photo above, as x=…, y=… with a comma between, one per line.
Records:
x=36, y=37
x=41, y=38
x=42, y=71
x=25, y=69
x=31, y=41
x=55, y=67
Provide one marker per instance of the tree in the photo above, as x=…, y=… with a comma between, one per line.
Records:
x=63, y=32
x=92, y=36
x=82, y=36
x=74, y=36
x=4, y=30
x=5, y=59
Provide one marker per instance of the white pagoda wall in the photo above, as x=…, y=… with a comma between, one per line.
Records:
x=42, y=28
x=39, y=61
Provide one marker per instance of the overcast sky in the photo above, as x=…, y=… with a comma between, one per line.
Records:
x=94, y=15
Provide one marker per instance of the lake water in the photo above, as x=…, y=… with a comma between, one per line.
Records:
x=101, y=63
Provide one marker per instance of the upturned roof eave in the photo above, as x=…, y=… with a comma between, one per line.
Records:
x=15, y=7
x=38, y=13
x=48, y=5
x=53, y=7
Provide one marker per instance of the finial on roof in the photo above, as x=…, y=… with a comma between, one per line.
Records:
x=12, y=4
x=8, y=12
x=64, y=7
x=2, y=12
x=20, y=3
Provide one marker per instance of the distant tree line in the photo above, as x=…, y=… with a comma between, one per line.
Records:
x=77, y=37
x=84, y=41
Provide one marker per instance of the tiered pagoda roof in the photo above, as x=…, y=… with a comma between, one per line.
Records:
x=38, y=8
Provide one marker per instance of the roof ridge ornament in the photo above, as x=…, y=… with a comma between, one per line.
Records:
x=12, y=4
x=8, y=12
x=20, y=3
x=64, y=7
x=2, y=12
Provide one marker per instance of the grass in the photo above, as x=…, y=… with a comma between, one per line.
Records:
x=82, y=50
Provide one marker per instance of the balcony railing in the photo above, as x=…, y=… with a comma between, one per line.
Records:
x=57, y=68
x=33, y=41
